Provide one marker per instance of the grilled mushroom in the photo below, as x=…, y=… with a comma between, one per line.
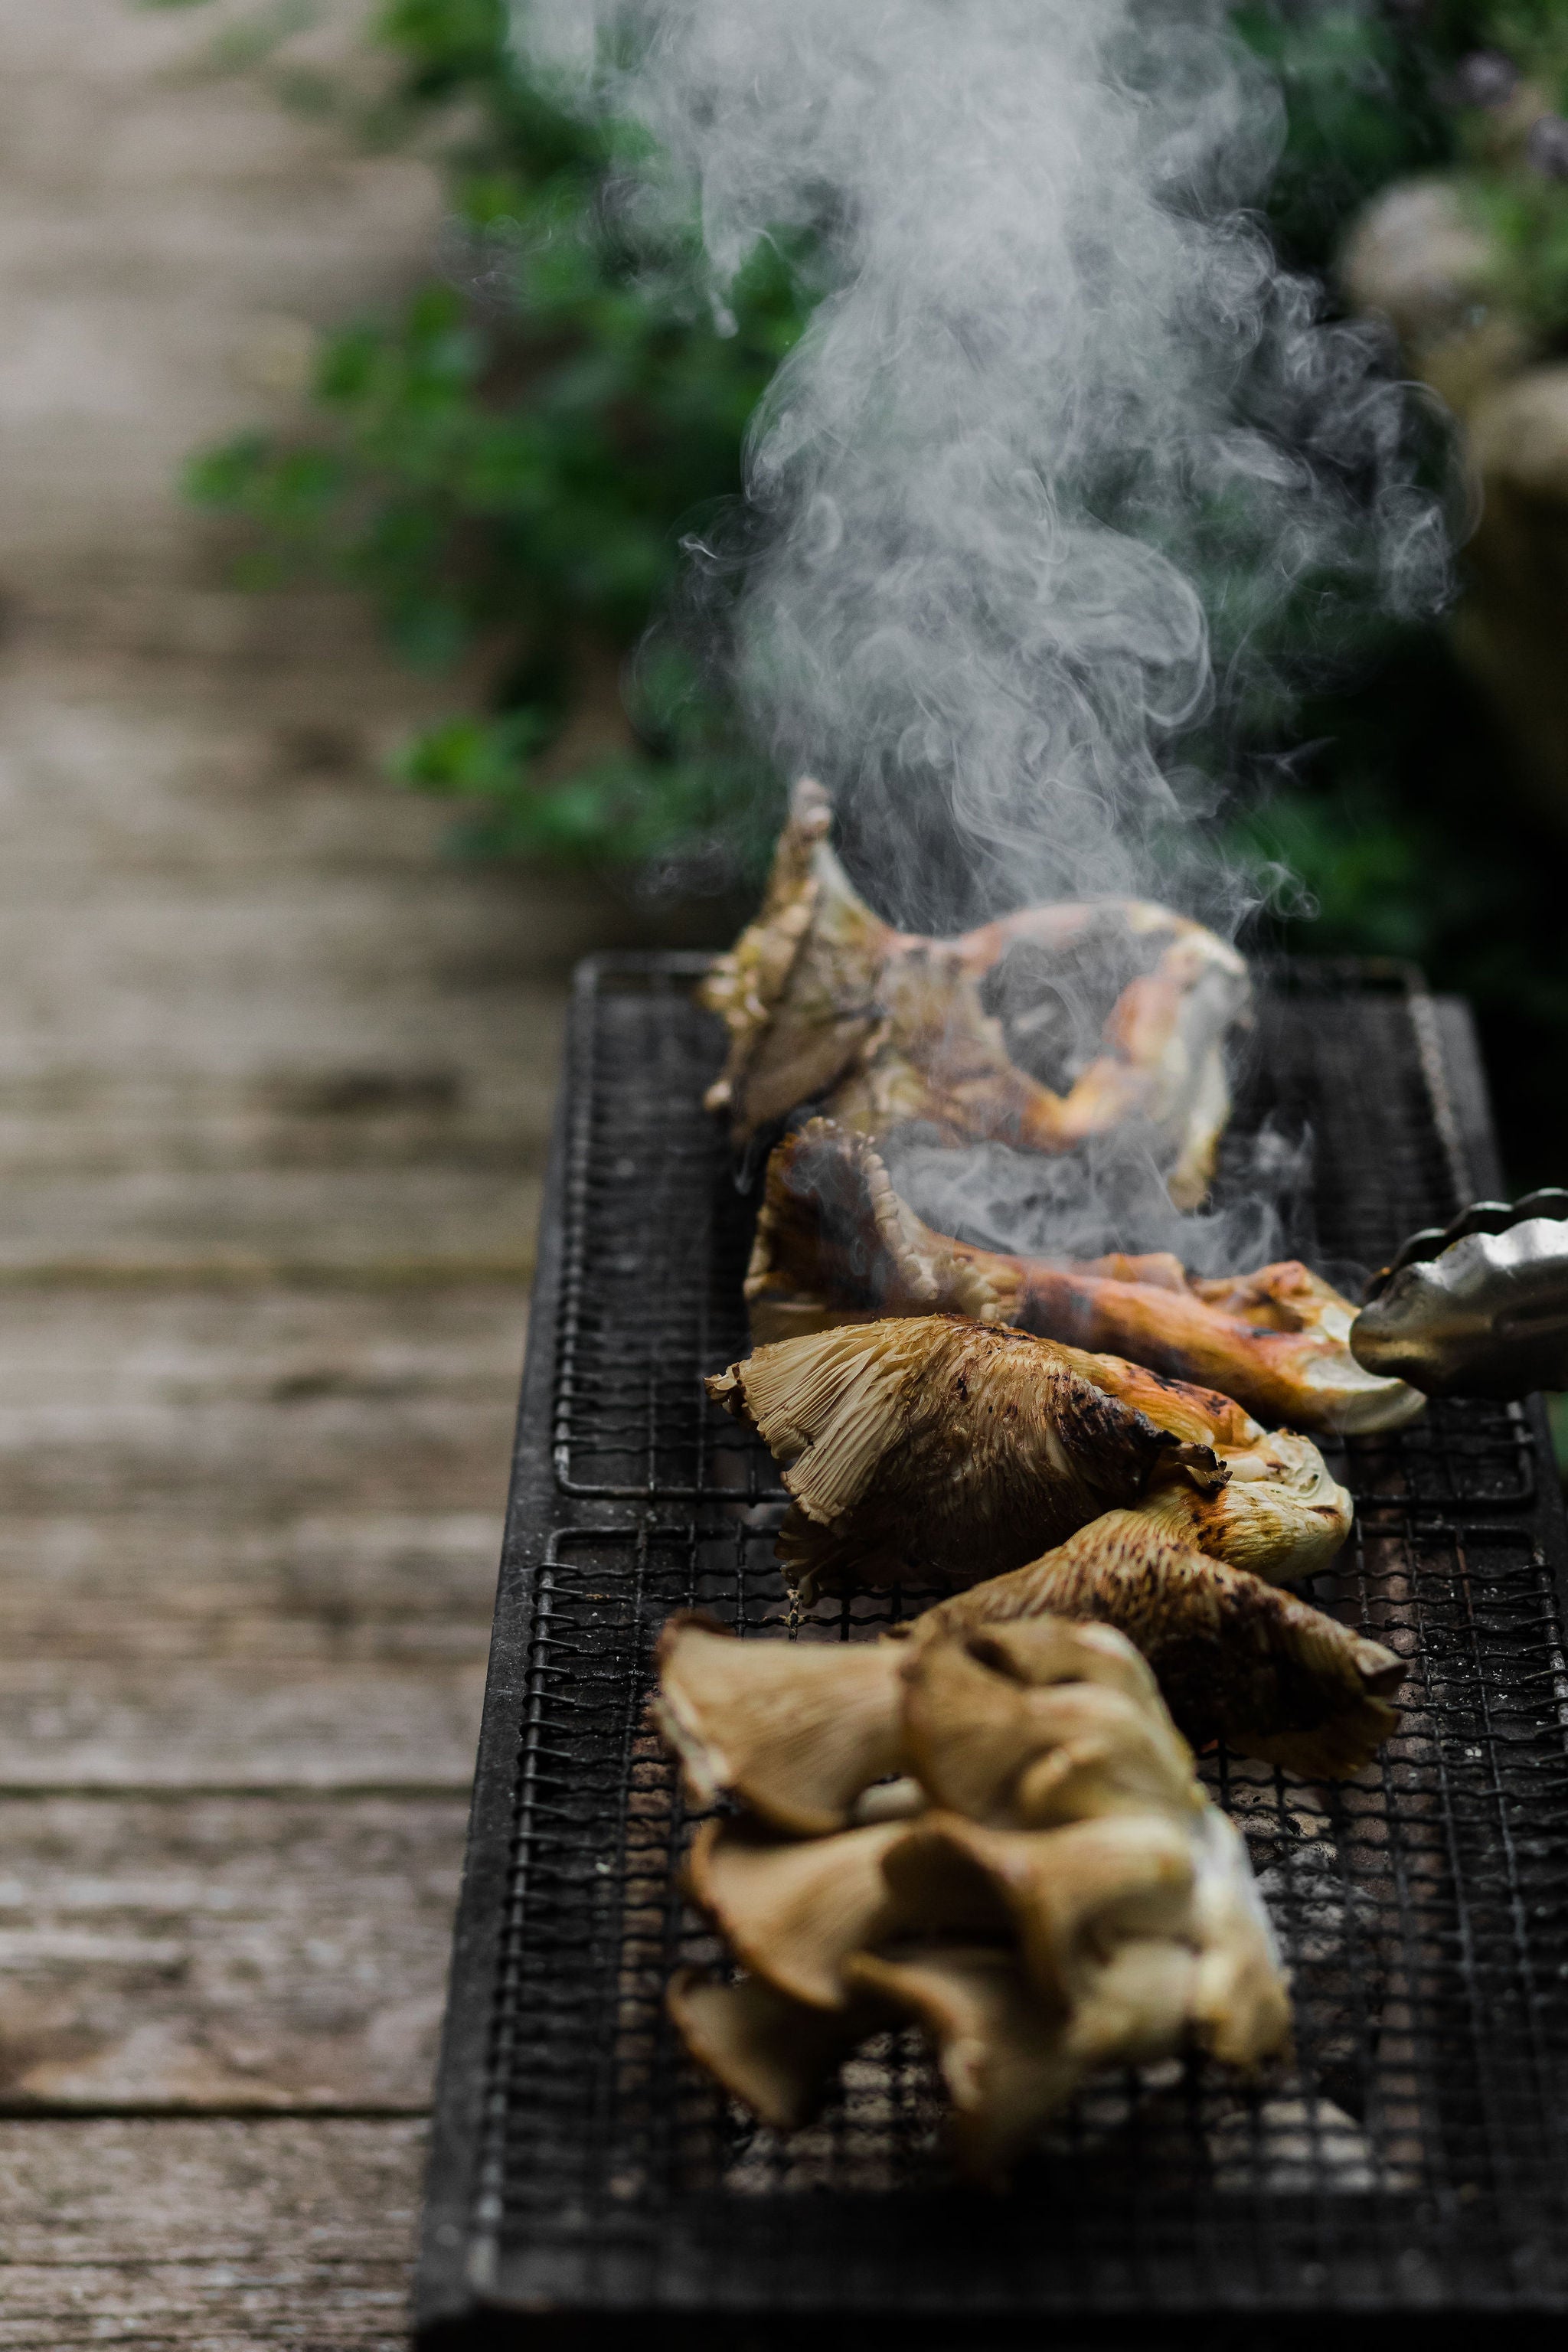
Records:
x=836, y=1243
x=793, y=1910
x=931, y=1444
x=797, y=1730
x=1103, y=1913
x=996, y=1745
x=1003, y=2060
x=1236, y=1658
x=824, y=1001
x=923, y=1446
x=774, y=2054
x=1073, y=1894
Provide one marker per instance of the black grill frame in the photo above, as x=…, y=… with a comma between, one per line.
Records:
x=581, y=2173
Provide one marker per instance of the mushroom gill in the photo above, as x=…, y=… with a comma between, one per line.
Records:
x=796, y=1730
x=836, y=1243
x=916, y=1446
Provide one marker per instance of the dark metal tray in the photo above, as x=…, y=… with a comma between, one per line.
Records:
x=583, y=2178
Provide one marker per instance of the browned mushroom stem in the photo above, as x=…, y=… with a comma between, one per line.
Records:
x=822, y=1000
x=916, y=1448
x=1236, y=1658
x=836, y=1243
x=797, y=1730
x=1003, y=2059
x=793, y=1910
x=774, y=2055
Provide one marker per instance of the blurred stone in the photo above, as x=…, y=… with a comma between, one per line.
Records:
x=1547, y=146
x=1512, y=626
x=1417, y=257
x=1485, y=77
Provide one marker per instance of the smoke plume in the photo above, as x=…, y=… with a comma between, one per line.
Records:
x=1064, y=455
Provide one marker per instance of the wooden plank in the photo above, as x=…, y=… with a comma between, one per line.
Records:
x=224, y=1953
x=324, y=1588
x=214, y=2234
x=391, y=1227
x=258, y=1403
x=101, y=1725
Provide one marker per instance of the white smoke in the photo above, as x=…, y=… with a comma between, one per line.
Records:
x=1026, y=504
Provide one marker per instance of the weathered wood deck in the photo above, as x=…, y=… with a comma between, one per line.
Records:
x=274, y=1085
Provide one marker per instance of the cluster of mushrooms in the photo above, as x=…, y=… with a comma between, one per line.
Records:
x=987, y=1822
x=1042, y=1885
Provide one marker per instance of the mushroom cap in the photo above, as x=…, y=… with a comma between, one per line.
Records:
x=988, y=1744
x=1043, y=1651
x=792, y=1910
x=795, y=1729
x=1072, y=1894
x=770, y=2053
x=1004, y=2062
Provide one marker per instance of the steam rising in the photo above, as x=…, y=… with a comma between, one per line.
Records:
x=1032, y=498
x=1065, y=480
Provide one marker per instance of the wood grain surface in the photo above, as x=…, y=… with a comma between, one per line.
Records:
x=275, y=1086
x=219, y=2234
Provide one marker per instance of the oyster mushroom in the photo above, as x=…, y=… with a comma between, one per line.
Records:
x=824, y=1001
x=918, y=1447
x=987, y=1742
x=792, y=1910
x=1074, y=1896
x=1002, y=2060
x=1236, y=1658
x=1106, y=1926
x=836, y=1243
x=774, y=2054
x=797, y=1730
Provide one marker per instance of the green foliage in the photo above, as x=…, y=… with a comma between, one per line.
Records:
x=1359, y=111
x=509, y=464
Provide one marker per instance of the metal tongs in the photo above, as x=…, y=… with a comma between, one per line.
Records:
x=1476, y=1308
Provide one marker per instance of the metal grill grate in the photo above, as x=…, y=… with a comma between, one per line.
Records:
x=1412, y=2159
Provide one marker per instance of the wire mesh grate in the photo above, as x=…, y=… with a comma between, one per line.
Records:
x=1411, y=2157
